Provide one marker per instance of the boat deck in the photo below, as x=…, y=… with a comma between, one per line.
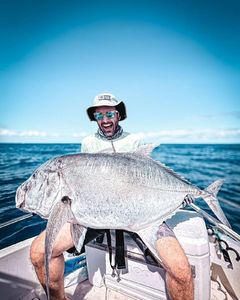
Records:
x=18, y=279
x=82, y=291
x=28, y=289
x=85, y=291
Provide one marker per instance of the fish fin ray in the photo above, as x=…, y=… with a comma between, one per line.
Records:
x=214, y=187
x=209, y=195
x=107, y=150
x=60, y=214
x=172, y=172
x=78, y=233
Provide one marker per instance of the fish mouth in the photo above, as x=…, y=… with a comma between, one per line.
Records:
x=20, y=196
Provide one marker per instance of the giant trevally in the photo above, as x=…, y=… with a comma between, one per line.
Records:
x=128, y=191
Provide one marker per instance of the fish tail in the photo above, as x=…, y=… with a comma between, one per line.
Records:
x=210, y=197
x=214, y=187
x=60, y=214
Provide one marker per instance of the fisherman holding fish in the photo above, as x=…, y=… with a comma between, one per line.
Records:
x=107, y=111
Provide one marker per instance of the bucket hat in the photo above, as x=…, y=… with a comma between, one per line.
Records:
x=107, y=99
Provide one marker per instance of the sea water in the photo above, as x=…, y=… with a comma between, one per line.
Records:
x=200, y=164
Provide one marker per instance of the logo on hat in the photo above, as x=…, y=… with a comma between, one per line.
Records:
x=106, y=97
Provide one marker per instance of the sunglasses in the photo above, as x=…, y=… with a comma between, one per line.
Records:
x=109, y=114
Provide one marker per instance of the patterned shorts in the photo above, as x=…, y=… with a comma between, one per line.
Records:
x=164, y=231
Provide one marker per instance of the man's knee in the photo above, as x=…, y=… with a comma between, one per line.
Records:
x=37, y=251
x=174, y=259
x=62, y=243
x=181, y=270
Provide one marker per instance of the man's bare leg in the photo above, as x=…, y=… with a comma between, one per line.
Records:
x=179, y=279
x=56, y=267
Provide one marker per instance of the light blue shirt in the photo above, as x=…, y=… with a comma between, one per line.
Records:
x=125, y=143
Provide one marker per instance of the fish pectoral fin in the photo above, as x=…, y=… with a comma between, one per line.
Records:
x=60, y=214
x=149, y=237
x=78, y=233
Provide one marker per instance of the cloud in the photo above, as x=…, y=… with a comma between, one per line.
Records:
x=8, y=135
x=231, y=114
x=194, y=135
x=79, y=134
x=205, y=135
x=29, y=133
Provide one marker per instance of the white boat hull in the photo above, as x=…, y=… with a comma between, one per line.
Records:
x=214, y=277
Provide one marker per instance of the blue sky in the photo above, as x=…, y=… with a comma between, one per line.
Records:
x=176, y=65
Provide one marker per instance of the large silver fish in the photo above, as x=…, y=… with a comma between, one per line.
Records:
x=108, y=191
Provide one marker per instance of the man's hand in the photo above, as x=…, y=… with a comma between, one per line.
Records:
x=187, y=200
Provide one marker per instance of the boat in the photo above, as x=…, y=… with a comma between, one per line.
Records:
x=213, y=253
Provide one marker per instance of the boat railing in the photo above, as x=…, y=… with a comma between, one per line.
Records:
x=15, y=220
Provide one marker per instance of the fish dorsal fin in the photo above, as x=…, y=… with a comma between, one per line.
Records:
x=145, y=149
x=107, y=150
x=172, y=172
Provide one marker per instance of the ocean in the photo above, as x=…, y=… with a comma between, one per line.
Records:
x=200, y=164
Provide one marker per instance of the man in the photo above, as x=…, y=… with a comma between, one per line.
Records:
x=107, y=111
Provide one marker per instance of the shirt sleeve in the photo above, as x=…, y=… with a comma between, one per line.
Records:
x=84, y=146
x=138, y=142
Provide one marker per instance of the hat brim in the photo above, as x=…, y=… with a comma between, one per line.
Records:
x=120, y=107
